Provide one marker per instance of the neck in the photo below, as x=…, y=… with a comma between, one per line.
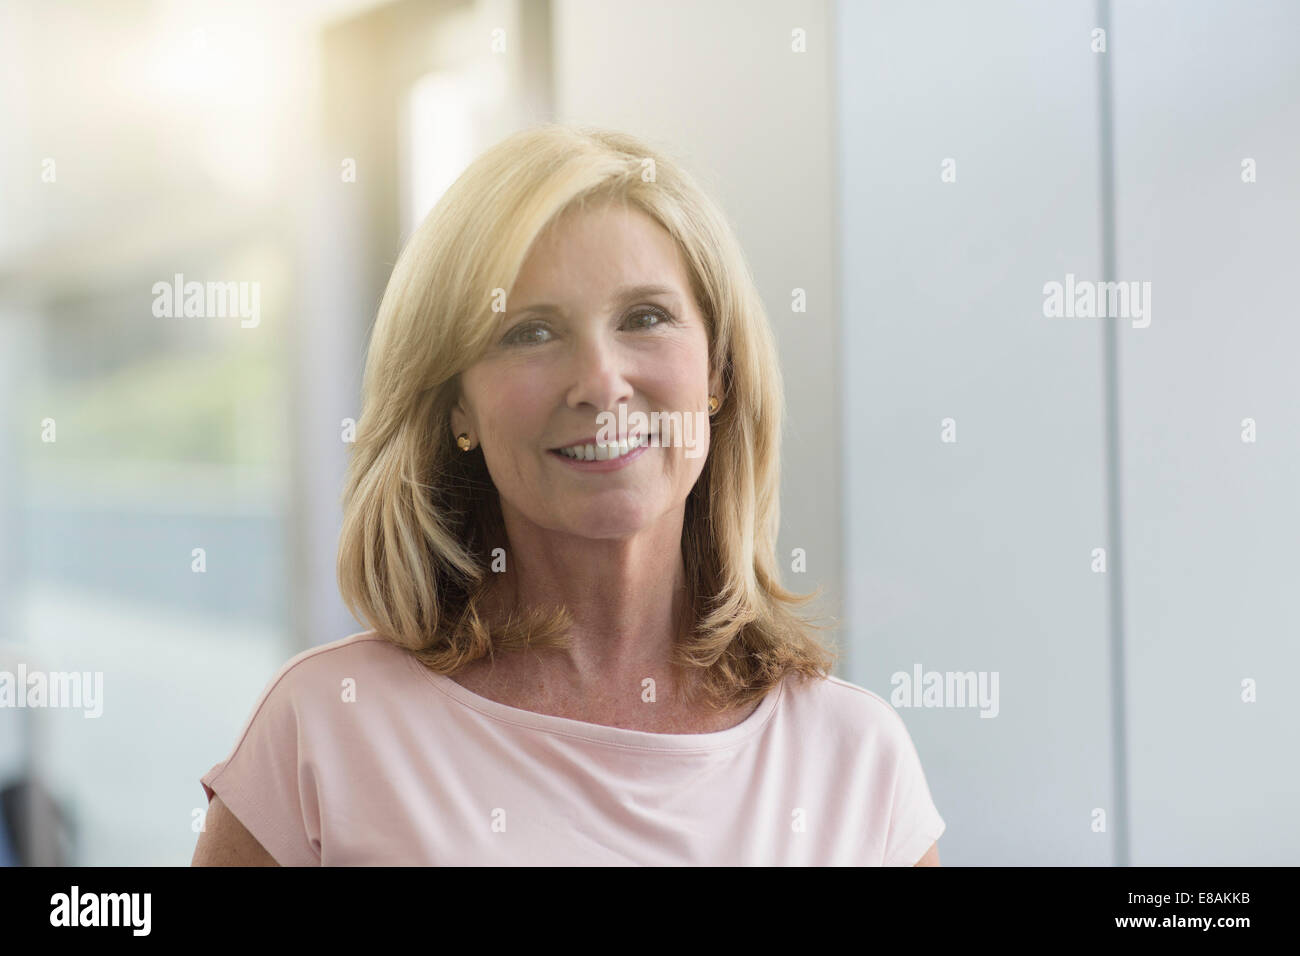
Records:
x=627, y=597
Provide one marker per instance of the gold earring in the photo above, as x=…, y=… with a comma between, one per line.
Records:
x=713, y=404
x=463, y=441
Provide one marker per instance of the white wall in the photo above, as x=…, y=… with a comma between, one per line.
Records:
x=975, y=555
x=1211, y=522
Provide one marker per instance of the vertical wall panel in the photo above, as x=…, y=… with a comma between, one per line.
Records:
x=1211, y=522
x=975, y=555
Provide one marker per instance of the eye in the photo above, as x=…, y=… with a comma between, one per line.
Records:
x=532, y=333
x=528, y=334
x=662, y=317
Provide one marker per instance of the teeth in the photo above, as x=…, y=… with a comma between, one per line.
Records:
x=601, y=452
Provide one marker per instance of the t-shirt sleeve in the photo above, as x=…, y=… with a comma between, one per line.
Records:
x=266, y=781
x=914, y=821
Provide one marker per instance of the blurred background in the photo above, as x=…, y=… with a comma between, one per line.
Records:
x=905, y=178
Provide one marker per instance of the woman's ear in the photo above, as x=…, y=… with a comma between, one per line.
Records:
x=715, y=386
x=460, y=421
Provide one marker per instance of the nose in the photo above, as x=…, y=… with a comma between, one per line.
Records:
x=598, y=374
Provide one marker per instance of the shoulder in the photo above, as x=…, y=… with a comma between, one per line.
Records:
x=323, y=671
x=299, y=708
x=877, y=766
x=838, y=699
x=842, y=711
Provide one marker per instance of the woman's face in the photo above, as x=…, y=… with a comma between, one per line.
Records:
x=600, y=316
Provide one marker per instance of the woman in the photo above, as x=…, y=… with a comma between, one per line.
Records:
x=560, y=524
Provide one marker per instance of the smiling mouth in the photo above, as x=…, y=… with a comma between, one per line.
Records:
x=601, y=452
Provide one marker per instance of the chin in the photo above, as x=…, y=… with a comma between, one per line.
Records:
x=593, y=521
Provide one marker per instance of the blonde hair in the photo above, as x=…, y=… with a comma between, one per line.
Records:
x=421, y=518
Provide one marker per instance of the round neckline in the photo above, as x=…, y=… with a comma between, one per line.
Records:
x=604, y=733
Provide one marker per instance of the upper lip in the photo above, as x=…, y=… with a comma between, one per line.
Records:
x=591, y=440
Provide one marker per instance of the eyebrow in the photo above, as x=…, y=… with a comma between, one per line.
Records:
x=621, y=297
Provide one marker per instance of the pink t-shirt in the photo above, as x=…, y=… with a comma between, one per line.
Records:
x=356, y=754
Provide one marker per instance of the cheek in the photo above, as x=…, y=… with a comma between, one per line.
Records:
x=512, y=406
x=681, y=372
x=690, y=368
x=681, y=386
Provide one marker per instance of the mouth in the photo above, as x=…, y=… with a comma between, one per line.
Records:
x=602, y=451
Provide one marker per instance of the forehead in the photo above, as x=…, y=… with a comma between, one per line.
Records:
x=609, y=244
